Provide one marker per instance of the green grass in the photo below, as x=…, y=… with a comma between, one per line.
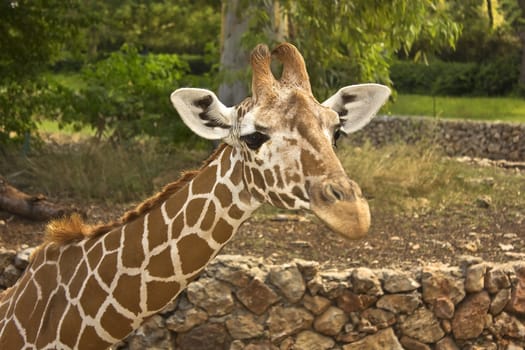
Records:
x=475, y=108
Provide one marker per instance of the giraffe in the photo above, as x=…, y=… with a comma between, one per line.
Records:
x=88, y=287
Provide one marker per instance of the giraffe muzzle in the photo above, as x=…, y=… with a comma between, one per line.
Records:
x=340, y=204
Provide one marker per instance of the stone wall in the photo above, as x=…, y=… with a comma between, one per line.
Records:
x=243, y=303
x=457, y=138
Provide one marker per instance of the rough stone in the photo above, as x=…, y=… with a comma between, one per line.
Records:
x=244, y=326
x=379, y=318
x=496, y=279
x=475, y=278
x=516, y=303
x=508, y=325
x=499, y=301
x=151, y=335
x=309, y=269
x=9, y=276
x=261, y=345
x=331, y=321
x=442, y=283
x=383, y=340
x=22, y=258
x=400, y=303
x=412, y=344
x=444, y=308
x=284, y=322
x=351, y=302
x=257, y=296
x=184, y=320
x=6, y=258
x=446, y=343
x=469, y=319
x=211, y=295
x=316, y=304
x=289, y=281
x=208, y=336
x=308, y=340
x=398, y=282
x=365, y=281
x=422, y=325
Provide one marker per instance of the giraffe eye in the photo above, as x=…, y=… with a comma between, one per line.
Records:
x=255, y=140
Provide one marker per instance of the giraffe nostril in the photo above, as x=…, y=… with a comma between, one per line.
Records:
x=331, y=193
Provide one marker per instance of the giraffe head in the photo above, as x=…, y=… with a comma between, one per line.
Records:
x=286, y=138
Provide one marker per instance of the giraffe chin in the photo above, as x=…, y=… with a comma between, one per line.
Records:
x=350, y=219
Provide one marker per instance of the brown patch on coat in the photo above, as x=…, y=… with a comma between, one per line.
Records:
x=194, y=253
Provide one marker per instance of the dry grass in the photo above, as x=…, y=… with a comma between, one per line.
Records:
x=395, y=178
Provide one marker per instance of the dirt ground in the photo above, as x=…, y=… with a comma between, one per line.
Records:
x=395, y=240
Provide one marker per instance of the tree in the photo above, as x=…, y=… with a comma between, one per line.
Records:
x=347, y=41
x=514, y=11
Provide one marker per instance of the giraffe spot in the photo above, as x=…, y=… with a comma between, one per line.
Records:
x=133, y=251
x=298, y=192
x=236, y=174
x=127, y=293
x=292, y=178
x=177, y=226
x=92, y=297
x=257, y=195
x=226, y=161
x=46, y=278
x=194, y=253
x=25, y=305
x=11, y=338
x=38, y=257
x=91, y=340
x=235, y=212
x=78, y=280
x=277, y=172
x=57, y=305
x=209, y=218
x=194, y=210
x=290, y=202
x=276, y=201
x=312, y=166
x=161, y=293
x=161, y=265
x=70, y=327
x=115, y=323
x=69, y=261
x=268, y=177
x=94, y=256
x=222, y=231
x=205, y=181
x=175, y=203
x=112, y=240
x=108, y=268
x=223, y=193
x=258, y=179
x=157, y=229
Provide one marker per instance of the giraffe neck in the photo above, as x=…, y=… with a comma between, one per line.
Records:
x=106, y=286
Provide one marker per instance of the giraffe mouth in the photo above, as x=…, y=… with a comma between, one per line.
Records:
x=341, y=206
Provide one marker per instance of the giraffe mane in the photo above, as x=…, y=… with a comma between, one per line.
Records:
x=73, y=228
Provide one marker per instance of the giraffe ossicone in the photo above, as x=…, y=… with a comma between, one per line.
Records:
x=88, y=287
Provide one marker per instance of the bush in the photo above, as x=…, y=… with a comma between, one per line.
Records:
x=497, y=77
x=127, y=95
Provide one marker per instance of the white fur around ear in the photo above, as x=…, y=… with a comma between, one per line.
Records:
x=203, y=113
x=357, y=104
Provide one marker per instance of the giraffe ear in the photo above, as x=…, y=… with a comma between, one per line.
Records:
x=357, y=104
x=203, y=113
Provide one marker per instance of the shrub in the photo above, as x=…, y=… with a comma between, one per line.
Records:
x=127, y=95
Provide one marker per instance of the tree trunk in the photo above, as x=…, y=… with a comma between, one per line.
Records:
x=521, y=35
x=234, y=57
x=32, y=207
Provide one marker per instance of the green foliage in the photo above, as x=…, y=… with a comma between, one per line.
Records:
x=353, y=41
x=127, y=95
x=498, y=77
